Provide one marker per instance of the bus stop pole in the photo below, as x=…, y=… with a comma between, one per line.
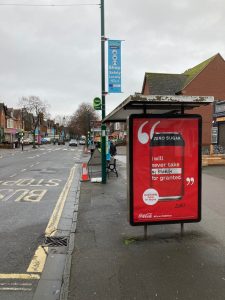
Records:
x=103, y=127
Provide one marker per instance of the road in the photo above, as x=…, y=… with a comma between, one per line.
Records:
x=32, y=182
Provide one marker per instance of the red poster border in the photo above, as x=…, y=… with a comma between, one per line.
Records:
x=130, y=166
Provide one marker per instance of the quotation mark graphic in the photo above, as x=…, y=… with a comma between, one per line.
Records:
x=190, y=180
x=143, y=137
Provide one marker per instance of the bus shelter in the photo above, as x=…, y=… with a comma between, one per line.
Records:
x=164, y=157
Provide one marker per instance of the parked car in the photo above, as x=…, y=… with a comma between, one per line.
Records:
x=82, y=142
x=73, y=142
x=27, y=141
x=45, y=140
x=61, y=142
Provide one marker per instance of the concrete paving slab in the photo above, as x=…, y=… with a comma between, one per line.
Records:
x=68, y=211
x=48, y=289
x=60, y=232
x=54, y=267
x=65, y=223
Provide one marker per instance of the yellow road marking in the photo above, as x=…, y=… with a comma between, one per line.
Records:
x=38, y=261
x=54, y=220
x=20, y=276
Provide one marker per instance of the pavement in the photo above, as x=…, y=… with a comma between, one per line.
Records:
x=112, y=260
x=106, y=258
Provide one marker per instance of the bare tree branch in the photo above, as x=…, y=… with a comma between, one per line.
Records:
x=37, y=108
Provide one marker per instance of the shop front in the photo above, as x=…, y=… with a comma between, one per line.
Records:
x=218, y=129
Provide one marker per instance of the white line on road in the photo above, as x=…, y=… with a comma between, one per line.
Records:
x=15, y=283
x=13, y=175
x=23, y=170
x=15, y=289
x=20, y=276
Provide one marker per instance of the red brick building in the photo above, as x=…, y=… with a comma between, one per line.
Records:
x=205, y=79
x=3, y=111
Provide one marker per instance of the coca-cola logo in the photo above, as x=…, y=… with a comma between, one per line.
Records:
x=145, y=216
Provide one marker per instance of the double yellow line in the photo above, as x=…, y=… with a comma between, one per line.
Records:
x=38, y=261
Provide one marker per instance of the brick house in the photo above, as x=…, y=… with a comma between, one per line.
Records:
x=18, y=122
x=13, y=125
x=205, y=79
x=3, y=110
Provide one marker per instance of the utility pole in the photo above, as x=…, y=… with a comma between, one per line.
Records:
x=103, y=127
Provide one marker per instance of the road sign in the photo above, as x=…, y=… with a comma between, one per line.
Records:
x=97, y=104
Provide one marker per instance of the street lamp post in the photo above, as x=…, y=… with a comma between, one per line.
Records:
x=22, y=137
x=103, y=126
x=64, y=118
x=54, y=128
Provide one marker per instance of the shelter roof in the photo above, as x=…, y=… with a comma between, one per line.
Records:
x=165, y=84
x=155, y=104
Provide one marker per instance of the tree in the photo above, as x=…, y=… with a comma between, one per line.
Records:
x=37, y=108
x=79, y=123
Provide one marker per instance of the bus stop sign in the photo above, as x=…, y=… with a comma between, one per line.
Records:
x=97, y=104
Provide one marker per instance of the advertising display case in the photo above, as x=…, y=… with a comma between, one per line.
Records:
x=164, y=174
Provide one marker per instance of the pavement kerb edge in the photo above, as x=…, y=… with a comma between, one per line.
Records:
x=68, y=256
x=66, y=273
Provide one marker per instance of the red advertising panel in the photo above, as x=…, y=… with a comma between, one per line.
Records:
x=164, y=169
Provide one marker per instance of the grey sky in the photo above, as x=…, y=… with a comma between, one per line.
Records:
x=54, y=52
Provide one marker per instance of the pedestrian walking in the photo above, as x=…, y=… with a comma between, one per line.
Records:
x=112, y=149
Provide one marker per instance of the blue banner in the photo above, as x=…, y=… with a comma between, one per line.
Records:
x=114, y=66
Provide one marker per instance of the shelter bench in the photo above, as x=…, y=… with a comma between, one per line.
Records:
x=111, y=166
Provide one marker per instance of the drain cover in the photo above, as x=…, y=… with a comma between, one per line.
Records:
x=55, y=241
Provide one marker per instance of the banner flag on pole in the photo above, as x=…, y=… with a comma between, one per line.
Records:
x=114, y=66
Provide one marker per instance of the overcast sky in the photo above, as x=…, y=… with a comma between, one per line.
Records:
x=54, y=52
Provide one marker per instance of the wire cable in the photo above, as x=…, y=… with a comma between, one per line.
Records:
x=69, y=4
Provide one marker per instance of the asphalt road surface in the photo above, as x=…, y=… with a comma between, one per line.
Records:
x=31, y=182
